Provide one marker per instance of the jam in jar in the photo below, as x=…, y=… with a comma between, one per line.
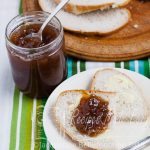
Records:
x=37, y=67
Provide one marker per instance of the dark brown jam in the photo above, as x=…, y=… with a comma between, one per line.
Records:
x=92, y=115
x=19, y=36
x=37, y=76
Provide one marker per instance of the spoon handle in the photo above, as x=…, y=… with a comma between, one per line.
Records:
x=58, y=8
x=139, y=145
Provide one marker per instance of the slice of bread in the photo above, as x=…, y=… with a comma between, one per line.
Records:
x=131, y=104
x=98, y=22
x=67, y=102
x=83, y=6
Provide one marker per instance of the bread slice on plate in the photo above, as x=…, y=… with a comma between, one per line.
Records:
x=83, y=6
x=131, y=104
x=65, y=105
x=98, y=22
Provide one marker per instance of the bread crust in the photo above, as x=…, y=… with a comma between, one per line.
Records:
x=80, y=9
x=101, y=33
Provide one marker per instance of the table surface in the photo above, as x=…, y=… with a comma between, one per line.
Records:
x=21, y=117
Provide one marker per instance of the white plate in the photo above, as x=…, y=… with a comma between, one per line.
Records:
x=82, y=81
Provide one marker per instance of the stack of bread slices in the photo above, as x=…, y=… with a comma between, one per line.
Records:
x=91, y=16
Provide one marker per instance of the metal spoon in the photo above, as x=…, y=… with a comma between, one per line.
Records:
x=39, y=33
x=139, y=145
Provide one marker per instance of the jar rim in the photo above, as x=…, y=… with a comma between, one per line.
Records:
x=37, y=49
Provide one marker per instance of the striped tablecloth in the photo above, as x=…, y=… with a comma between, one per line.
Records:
x=21, y=125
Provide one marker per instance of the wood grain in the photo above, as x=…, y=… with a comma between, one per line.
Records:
x=130, y=42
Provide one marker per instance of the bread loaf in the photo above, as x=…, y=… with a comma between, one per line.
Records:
x=83, y=6
x=98, y=22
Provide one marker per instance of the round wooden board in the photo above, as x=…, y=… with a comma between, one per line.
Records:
x=130, y=42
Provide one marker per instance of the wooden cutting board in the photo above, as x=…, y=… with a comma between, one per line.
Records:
x=130, y=42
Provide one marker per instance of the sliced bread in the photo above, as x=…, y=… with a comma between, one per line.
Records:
x=67, y=102
x=98, y=22
x=83, y=6
x=131, y=104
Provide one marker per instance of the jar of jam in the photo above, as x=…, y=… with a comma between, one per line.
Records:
x=37, y=67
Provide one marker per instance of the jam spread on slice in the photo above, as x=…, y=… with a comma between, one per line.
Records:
x=19, y=36
x=92, y=116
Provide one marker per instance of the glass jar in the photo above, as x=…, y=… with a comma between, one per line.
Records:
x=37, y=71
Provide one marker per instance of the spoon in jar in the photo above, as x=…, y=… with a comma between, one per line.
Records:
x=38, y=35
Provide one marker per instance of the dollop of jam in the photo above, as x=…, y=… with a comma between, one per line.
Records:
x=92, y=116
x=19, y=36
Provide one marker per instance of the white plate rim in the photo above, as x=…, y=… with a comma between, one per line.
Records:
x=91, y=71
